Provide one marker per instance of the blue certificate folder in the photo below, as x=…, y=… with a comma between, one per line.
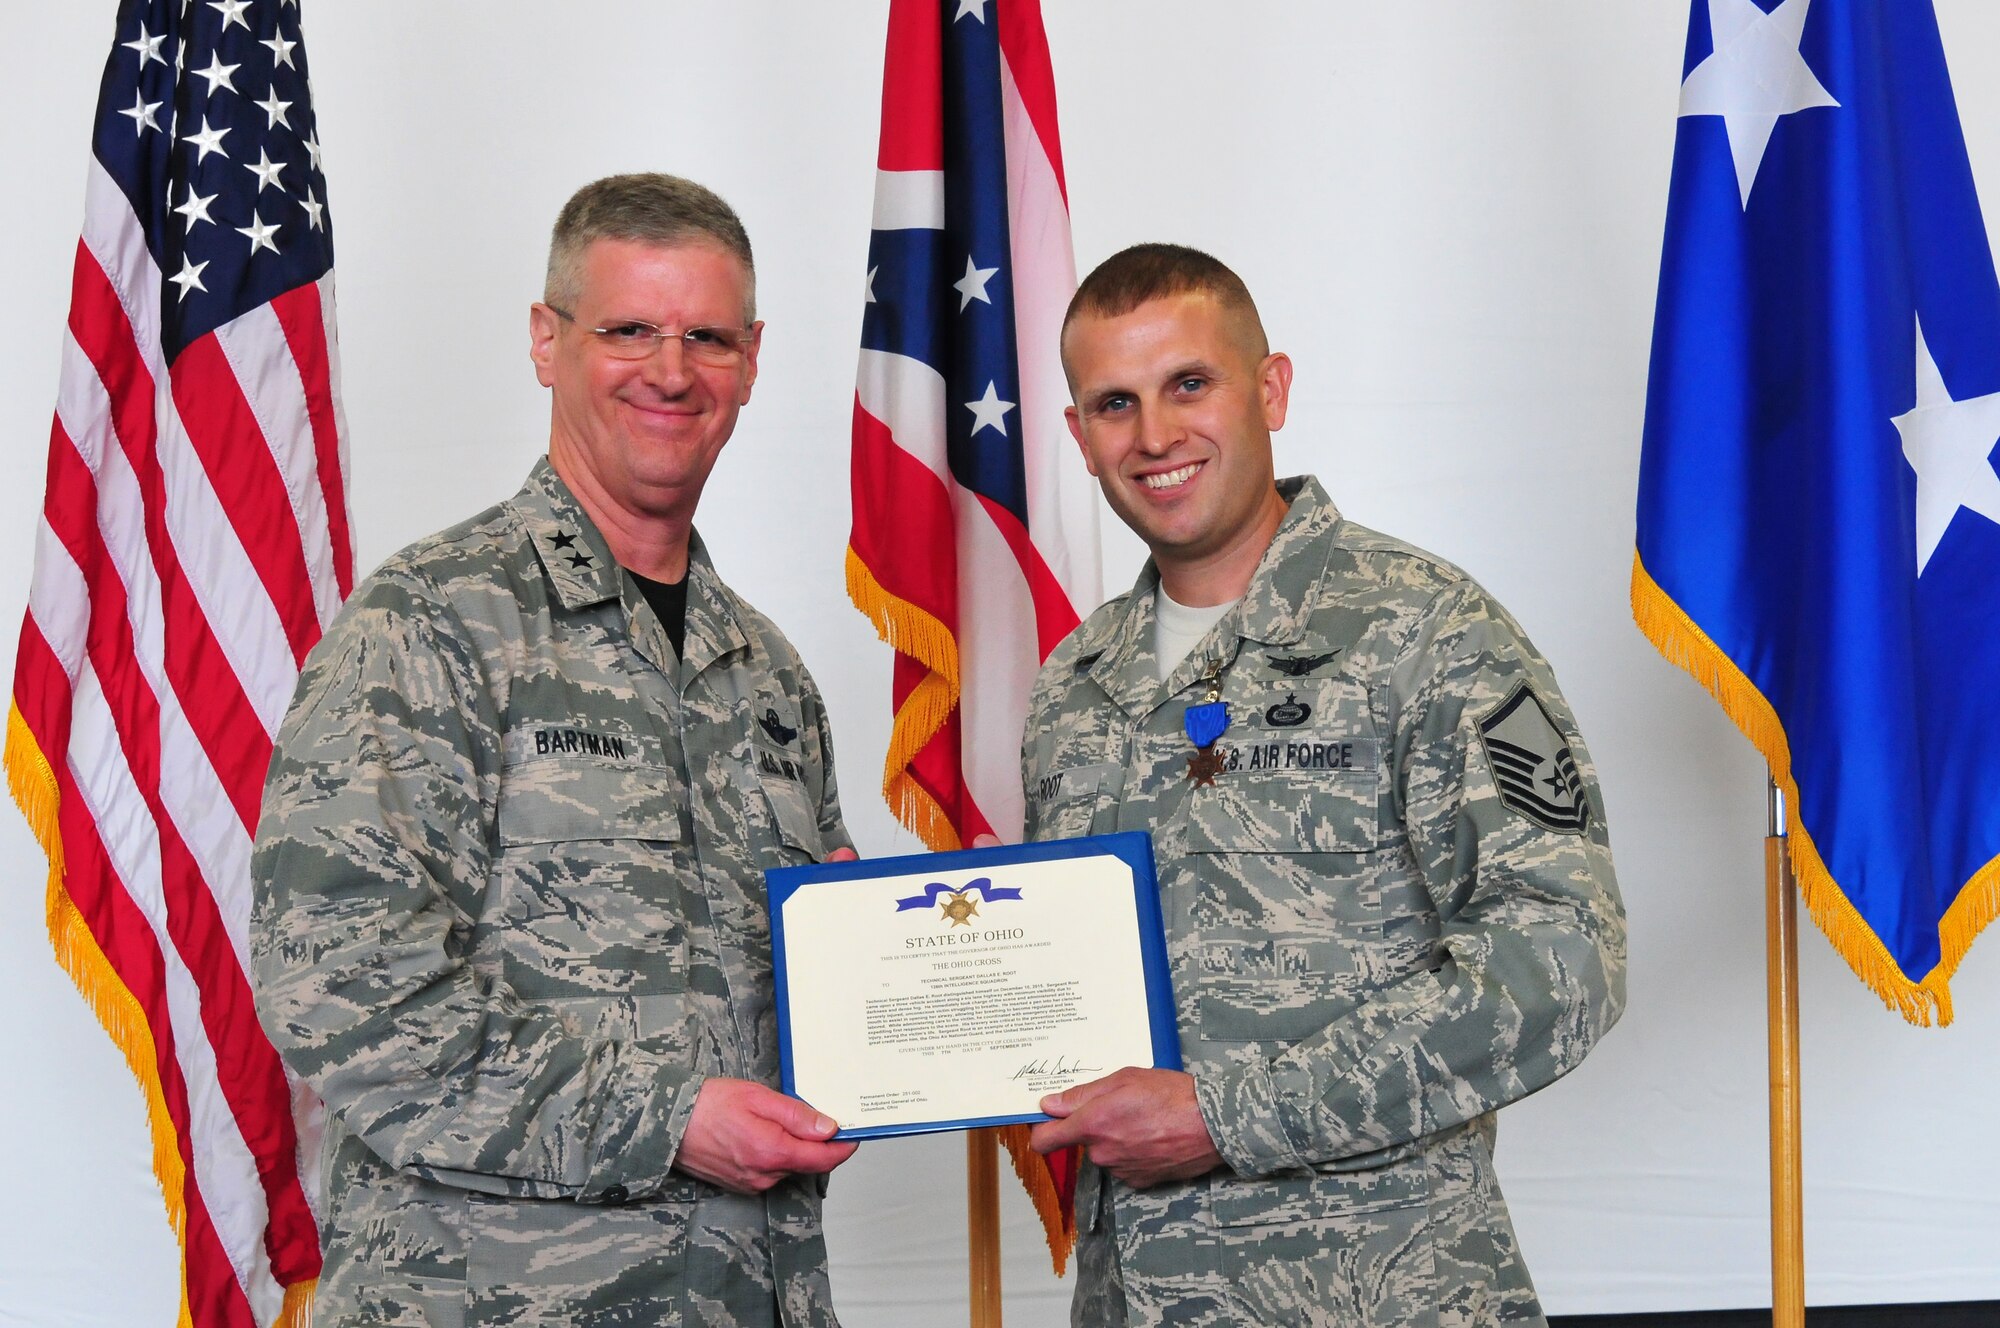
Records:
x=1133, y=849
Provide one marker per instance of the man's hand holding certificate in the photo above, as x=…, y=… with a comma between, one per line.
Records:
x=945, y=991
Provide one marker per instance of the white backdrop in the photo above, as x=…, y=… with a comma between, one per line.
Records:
x=1450, y=211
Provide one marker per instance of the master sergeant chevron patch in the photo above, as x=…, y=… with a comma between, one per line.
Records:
x=1532, y=766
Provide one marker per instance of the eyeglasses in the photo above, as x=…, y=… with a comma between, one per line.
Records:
x=634, y=340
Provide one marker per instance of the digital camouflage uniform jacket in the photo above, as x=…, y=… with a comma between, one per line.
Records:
x=1389, y=912
x=509, y=917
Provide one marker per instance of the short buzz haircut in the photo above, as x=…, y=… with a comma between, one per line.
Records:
x=649, y=208
x=1143, y=272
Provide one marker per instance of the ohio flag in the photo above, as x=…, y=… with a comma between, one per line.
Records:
x=975, y=526
x=1819, y=513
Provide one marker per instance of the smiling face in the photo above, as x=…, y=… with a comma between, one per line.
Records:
x=1175, y=406
x=636, y=439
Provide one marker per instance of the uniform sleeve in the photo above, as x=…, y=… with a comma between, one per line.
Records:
x=832, y=827
x=370, y=868
x=1530, y=961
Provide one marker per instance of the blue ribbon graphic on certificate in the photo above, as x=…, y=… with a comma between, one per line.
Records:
x=983, y=887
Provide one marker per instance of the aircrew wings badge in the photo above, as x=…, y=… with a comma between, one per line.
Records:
x=1533, y=769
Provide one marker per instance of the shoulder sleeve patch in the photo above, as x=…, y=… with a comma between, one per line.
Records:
x=1532, y=766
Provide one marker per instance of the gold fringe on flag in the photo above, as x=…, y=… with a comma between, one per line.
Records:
x=1059, y=1227
x=913, y=632
x=33, y=785
x=1920, y=1001
x=298, y=1310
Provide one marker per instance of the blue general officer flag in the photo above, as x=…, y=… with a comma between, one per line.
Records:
x=1819, y=513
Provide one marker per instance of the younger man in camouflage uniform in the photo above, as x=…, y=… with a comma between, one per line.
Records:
x=509, y=918
x=1387, y=887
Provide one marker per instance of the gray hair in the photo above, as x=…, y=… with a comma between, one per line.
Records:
x=649, y=208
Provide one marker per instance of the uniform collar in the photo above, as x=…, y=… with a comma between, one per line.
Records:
x=574, y=555
x=712, y=627
x=581, y=570
x=1274, y=610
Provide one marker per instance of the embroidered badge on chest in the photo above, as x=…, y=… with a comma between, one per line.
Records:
x=1301, y=665
x=776, y=727
x=1204, y=722
x=1288, y=713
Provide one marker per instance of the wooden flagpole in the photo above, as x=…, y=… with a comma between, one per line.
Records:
x=1781, y=941
x=982, y=1226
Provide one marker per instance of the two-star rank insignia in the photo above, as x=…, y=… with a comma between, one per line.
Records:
x=1299, y=666
x=776, y=727
x=578, y=555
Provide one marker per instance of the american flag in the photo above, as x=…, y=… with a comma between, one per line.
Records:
x=193, y=544
x=975, y=528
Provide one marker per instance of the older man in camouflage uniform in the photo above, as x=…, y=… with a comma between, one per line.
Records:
x=1387, y=887
x=509, y=918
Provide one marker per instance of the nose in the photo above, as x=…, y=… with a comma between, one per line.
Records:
x=1159, y=430
x=667, y=367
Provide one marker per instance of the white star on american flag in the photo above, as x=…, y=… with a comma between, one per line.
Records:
x=259, y=232
x=141, y=112
x=208, y=140
x=232, y=12
x=275, y=109
x=189, y=277
x=266, y=171
x=218, y=74
x=148, y=47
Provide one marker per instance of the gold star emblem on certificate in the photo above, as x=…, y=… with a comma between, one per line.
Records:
x=960, y=908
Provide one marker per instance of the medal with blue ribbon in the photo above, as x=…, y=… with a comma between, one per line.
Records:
x=1204, y=722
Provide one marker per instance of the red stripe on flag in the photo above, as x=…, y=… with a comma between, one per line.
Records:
x=41, y=692
x=1054, y=617
x=304, y=320
x=215, y=1299
x=97, y=320
x=121, y=934
x=211, y=695
x=248, y=1071
x=903, y=522
x=245, y=477
x=1025, y=48
x=913, y=89
x=126, y=940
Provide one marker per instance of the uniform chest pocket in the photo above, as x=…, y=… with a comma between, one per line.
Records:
x=792, y=813
x=1299, y=771
x=1063, y=803
x=585, y=895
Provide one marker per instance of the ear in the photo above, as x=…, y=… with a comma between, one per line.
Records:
x=750, y=362
x=1075, y=423
x=1274, y=386
x=542, y=327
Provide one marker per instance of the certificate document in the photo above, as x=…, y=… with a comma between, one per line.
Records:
x=949, y=990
